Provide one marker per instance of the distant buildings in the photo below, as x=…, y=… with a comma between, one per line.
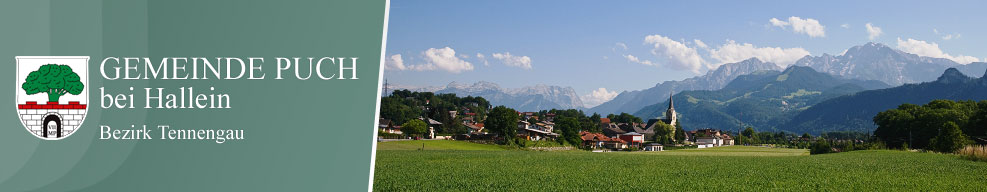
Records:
x=653, y=147
x=710, y=137
x=474, y=128
x=432, y=124
x=613, y=129
x=633, y=138
x=538, y=126
x=600, y=141
x=387, y=126
x=538, y=131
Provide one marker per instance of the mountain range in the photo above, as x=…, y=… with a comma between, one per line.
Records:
x=529, y=98
x=631, y=101
x=764, y=99
x=816, y=94
x=856, y=112
x=875, y=61
x=871, y=61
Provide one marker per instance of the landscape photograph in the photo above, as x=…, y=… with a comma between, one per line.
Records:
x=683, y=96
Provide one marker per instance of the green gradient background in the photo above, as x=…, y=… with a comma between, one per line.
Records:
x=311, y=135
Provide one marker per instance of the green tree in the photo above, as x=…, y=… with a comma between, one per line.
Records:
x=978, y=123
x=396, y=109
x=502, y=121
x=594, y=125
x=950, y=139
x=749, y=136
x=53, y=79
x=820, y=146
x=570, y=131
x=664, y=133
x=625, y=118
x=919, y=125
x=679, y=133
x=414, y=127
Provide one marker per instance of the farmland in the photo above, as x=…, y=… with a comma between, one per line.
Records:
x=430, y=145
x=713, y=169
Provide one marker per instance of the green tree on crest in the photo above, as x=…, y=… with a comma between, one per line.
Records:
x=53, y=79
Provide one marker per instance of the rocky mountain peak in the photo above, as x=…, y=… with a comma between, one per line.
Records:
x=953, y=75
x=876, y=61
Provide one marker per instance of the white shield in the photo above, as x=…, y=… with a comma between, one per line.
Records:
x=50, y=104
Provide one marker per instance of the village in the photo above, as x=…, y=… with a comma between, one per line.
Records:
x=612, y=135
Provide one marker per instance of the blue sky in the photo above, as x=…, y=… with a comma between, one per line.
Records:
x=632, y=45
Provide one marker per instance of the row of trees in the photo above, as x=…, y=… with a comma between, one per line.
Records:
x=403, y=106
x=749, y=136
x=941, y=125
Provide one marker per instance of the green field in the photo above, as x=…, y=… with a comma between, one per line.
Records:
x=712, y=169
x=432, y=145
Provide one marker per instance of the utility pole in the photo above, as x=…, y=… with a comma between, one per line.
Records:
x=385, y=88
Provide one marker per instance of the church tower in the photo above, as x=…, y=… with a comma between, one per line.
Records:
x=670, y=116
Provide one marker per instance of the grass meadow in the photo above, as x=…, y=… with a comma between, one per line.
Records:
x=461, y=166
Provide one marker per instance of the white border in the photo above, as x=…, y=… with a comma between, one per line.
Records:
x=17, y=70
x=380, y=79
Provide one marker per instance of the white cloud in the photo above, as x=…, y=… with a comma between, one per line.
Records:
x=700, y=44
x=680, y=56
x=922, y=48
x=523, y=62
x=733, y=52
x=806, y=26
x=394, y=62
x=951, y=36
x=948, y=36
x=634, y=59
x=845, y=26
x=873, y=32
x=778, y=23
x=442, y=59
x=597, y=97
x=620, y=45
x=483, y=58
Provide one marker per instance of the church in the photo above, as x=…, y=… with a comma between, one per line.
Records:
x=647, y=129
x=671, y=117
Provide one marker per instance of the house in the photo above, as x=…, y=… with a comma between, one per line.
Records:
x=387, y=126
x=544, y=125
x=617, y=129
x=550, y=117
x=648, y=132
x=432, y=124
x=727, y=140
x=474, y=128
x=528, y=115
x=715, y=141
x=653, y=147
x=611, y=130
x=536, y=132
x=633, y=138
x=711, y=137
x=468, y=119
x=600, y=141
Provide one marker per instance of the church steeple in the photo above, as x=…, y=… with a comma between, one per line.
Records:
x=671, y=103
x=670, y=115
